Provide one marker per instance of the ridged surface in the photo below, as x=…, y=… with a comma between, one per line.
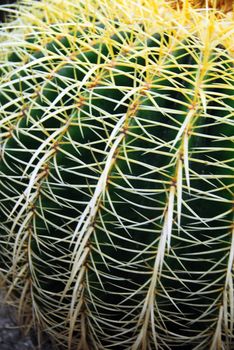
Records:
x=117, y=184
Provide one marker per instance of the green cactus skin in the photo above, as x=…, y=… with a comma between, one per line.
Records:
x=116, y=182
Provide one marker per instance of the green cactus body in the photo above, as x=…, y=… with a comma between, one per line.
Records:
x=117, y=188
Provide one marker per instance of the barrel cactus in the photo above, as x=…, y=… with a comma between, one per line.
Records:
x=116, y=172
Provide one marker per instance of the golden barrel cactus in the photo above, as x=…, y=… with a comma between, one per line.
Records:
x=116, y=172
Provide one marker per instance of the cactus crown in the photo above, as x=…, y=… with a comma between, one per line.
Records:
x=117, y=172
x=222, y=5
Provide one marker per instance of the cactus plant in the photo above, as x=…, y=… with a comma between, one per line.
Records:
x=117, y=173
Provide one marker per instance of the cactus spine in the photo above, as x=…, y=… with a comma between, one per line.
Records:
x=117, y=173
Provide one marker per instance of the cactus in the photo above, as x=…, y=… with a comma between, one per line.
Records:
x=116, y=173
